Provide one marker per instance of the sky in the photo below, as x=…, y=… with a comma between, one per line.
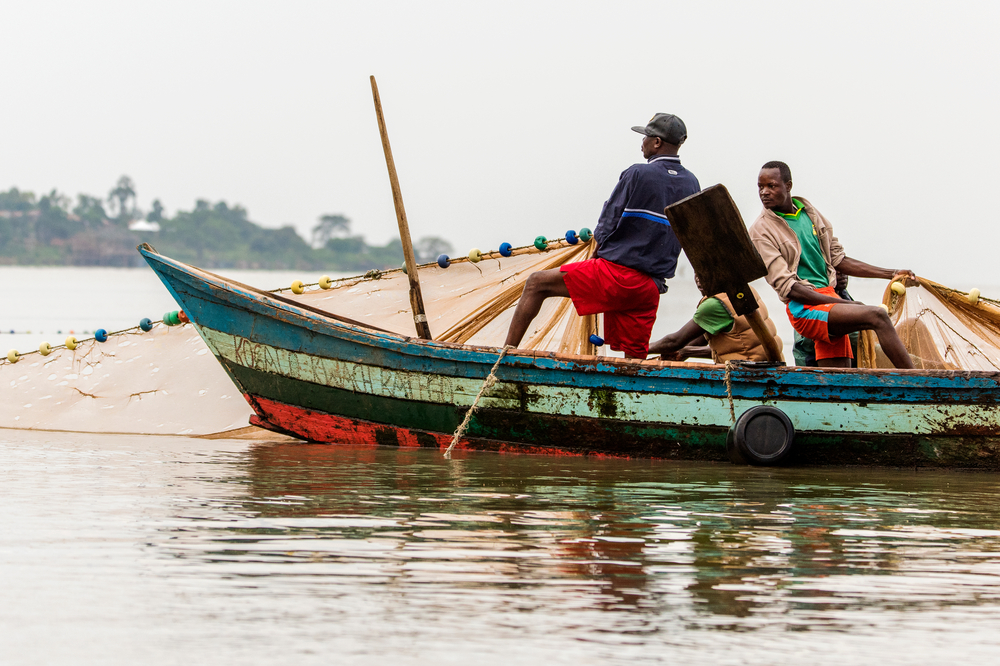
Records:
x=511, y=120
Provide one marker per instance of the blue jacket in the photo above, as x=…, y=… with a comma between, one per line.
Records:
x=632, y=230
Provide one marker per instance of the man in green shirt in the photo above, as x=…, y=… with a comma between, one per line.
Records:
x=716, y=332
x=800, y=252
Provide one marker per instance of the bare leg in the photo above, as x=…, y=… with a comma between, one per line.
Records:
x=845, y=319
x=537, y=288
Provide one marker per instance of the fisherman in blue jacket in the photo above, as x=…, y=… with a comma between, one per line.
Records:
x=636, y=248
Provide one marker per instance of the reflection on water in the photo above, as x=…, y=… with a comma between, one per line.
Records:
x=318, y=553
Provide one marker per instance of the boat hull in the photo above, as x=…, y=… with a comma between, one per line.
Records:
x=323, y=380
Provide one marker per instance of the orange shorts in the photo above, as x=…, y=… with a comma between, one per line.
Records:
x=811, y=322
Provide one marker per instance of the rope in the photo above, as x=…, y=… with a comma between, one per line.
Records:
x=949, y=290
x=490, y=381
x=63, y=346
x=729, y=390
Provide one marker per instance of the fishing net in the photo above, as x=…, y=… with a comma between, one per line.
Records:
x=166, y=381
x=466, y=303
x=942, y=329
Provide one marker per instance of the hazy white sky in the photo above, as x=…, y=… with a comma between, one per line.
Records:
x=510, y=120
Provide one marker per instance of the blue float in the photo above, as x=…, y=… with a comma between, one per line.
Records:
x=596, y=340
x=146, y=324
x=571, y=237
x=444, y=261
x=506, y=249
x=101, y=335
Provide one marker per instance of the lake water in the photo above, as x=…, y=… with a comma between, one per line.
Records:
x=160, y=550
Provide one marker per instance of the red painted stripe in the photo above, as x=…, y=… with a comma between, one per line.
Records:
x=317, y=426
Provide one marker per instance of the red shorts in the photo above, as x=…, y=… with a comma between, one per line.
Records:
x=627, y=297
x=811, y=322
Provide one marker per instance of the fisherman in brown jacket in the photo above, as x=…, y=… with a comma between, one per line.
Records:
x=800, y=251
x=728, y=335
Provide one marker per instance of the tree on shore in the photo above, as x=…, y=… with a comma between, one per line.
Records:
x=16, y=201
x=90, y=210
x=122, y=202
x=329, y=226
x=429, y=248
x=156, y=214
x=53, y=223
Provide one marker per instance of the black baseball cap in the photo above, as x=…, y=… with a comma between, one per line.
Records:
x=666, y=126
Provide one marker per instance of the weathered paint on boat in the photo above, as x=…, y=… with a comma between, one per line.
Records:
x=309, y=375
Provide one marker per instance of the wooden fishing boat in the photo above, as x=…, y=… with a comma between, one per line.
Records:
x=319, y=377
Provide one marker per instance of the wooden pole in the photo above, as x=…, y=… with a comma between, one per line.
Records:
x=416, y=299
x=771, y=348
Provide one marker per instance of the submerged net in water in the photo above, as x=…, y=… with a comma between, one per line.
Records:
x=161, y=382
x=942, y=329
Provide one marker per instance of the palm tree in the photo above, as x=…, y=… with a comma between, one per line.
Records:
x=119, y=199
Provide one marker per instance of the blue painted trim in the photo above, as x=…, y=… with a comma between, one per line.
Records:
x=647, y=216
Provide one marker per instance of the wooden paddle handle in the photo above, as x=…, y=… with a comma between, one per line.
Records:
x=771, y=348
x=416, y=297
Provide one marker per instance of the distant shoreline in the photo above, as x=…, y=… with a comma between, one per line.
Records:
x=51, y=231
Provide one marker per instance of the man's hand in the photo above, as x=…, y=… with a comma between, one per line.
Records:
x=909, y=277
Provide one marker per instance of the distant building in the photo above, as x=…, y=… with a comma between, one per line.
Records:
x=143, y=225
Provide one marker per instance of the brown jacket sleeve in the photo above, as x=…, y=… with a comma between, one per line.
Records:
x=837, y=253
x=779, y=274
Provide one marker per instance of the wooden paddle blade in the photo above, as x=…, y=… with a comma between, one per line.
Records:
x=742, y=299
x=715, y=240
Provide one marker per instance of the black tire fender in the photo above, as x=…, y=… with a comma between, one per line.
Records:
x=762, y=435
